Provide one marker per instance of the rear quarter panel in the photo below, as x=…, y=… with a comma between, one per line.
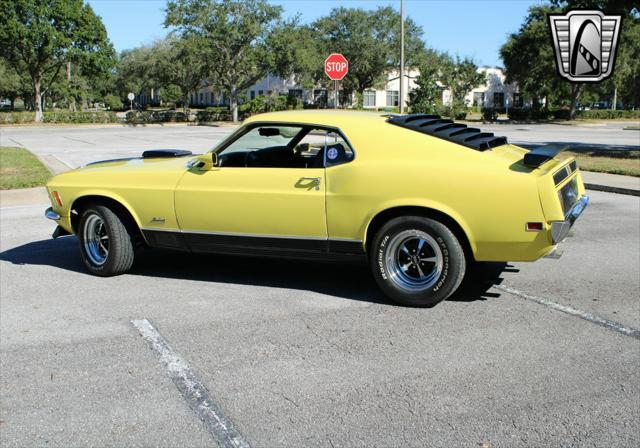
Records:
x=489, y=197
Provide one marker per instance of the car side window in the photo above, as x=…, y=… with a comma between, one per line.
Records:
x=281, y=146
x=263, y=146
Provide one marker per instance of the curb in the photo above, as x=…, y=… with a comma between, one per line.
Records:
x=609, y=189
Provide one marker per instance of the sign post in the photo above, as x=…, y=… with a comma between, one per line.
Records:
x=336, y=68
x=131, y=96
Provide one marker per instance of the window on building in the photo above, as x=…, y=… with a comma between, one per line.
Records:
x=269, y=92
x=498, y=99
x=345, y=98
x=518, y=101
x=392, y=98
x=296, y=93
x=320, y=97
x=253, y=94
x=369, y=98
x=260, y=92
x=201, y=98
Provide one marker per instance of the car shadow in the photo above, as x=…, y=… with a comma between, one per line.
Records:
x=349, y=281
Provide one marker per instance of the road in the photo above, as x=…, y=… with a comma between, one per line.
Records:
x=77, y=146
x=304, y=354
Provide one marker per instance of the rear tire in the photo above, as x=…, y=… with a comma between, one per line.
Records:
x=106, y=246
x=417, y=261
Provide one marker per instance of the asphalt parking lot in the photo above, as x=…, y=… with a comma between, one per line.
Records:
x=304, y=354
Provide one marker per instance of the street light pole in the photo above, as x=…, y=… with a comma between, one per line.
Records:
x=401, y=57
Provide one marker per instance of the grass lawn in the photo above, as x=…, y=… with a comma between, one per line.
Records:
x=613, y=162
x=20, y=169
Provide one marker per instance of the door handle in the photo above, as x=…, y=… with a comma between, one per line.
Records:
x=308, y=183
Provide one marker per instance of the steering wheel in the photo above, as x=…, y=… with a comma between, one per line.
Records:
x=252, y=159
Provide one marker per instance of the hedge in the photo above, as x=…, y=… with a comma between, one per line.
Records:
x=518, y=114
x=59, y=117
x=80, y=117
x=155, y=116
x=608, y=114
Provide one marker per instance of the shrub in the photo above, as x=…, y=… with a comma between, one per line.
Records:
x=489, y=114
x=519, y=114
x=113, y=102
x=80, y=117
x=272, y=103
x=16, y=117
x=62, y=116
x=155, y=116
x=608, y=114
x=208, y=116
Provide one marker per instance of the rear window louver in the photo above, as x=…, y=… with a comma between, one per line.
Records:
x=448, y=130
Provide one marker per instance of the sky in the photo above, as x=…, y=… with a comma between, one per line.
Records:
x=474, y=28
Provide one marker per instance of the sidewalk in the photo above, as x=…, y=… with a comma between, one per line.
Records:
x=611, y=183
x=23, y=197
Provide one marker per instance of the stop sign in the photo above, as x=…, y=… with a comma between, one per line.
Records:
x=336, y=66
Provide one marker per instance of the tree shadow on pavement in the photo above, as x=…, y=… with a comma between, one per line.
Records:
x=350, y=281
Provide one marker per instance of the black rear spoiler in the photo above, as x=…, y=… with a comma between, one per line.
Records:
x=153, y=153
x=537, y=156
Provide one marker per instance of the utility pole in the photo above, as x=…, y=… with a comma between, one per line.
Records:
x=401, y=57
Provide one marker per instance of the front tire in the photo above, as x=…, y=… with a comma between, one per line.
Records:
x=417, y=261
x=106, y=246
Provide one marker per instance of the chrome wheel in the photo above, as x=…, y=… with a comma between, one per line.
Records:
x=414, y=260
x=96, y=239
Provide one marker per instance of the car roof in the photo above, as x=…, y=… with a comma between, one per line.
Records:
x=333, y=118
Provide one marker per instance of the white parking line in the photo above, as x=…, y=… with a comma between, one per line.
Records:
x=191, y=388
x=610, y=324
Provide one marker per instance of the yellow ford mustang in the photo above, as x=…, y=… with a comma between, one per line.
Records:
x=417, y=196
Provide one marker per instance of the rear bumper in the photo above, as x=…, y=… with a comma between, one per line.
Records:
x=560, y=229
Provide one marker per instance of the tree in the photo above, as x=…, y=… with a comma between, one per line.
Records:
x=626, y=74
x=294, y=52
x=370, y=41
x=530, y=62
x=135, y=71
x=232, y=34
x=439, y=72
x=46, y=34
x=427, y=95
x=180, y=62
x=529, y=59
x=460, y=76
x=10, y=82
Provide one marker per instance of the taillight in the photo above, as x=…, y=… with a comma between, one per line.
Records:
x=57, y=198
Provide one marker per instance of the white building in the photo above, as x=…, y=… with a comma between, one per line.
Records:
x=495, y=93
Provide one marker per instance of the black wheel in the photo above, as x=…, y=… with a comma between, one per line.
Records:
x=417, y=261
x=106, y=246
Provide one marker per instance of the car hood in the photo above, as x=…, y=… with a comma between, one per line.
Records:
x=132, y=172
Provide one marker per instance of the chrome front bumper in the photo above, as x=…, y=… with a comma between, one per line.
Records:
x=49, y=213
x=560, y=229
